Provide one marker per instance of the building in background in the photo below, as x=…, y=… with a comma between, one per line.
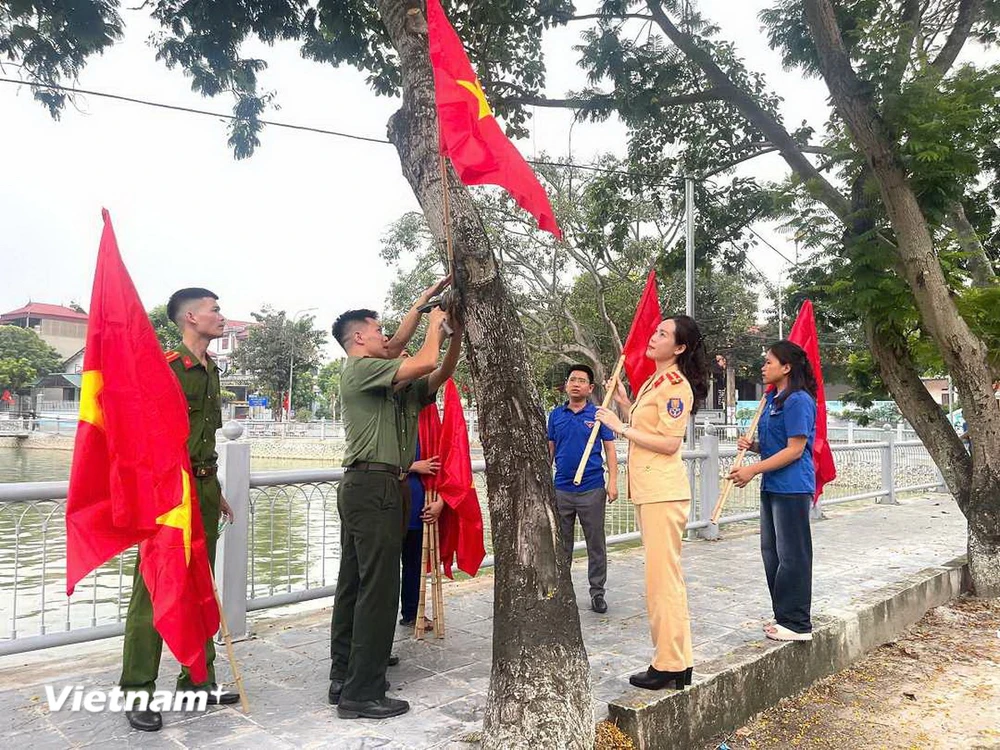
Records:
x=62, y=328
x=238, y=383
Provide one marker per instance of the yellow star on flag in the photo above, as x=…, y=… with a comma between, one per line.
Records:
x=180, y=517
x=476, y=89
x=91, y=385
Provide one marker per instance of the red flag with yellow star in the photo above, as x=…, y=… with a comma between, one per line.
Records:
x=470, y=134
x=131, y=475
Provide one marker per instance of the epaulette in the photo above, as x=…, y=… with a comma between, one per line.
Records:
x=675, y=378
x=172, y=355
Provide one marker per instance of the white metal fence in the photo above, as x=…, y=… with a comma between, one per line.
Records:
x=284, y=545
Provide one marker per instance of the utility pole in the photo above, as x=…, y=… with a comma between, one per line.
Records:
x=689, y=269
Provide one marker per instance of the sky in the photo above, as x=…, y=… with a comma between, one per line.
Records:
x=297, y=225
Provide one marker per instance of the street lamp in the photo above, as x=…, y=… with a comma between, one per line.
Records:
x=291, y=361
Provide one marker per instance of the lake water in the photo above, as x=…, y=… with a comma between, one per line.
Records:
x=31, y=465
x=293, y=541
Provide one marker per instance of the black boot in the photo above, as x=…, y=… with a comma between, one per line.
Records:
x=654, y=679
x=381, y=709
x=145, y=721
x=336, y=686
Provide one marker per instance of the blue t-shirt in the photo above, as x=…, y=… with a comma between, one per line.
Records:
x=416, y=496
x=570, y=432
x=793, y=418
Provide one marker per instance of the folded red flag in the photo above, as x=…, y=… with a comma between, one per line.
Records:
x=804, y=334
x=647, y=317
x=461, y=533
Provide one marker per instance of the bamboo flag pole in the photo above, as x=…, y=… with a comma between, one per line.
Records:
x=439, y=591
x=229, y=648
x=418, y=628
x=612, y=385
x=728, y=483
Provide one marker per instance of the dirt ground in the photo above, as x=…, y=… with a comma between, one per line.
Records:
x=937, y=686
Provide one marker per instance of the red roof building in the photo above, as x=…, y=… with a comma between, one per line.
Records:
x=62, y=328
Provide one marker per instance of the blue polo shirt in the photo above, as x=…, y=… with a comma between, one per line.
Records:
x=570, y=432
x=793, y=418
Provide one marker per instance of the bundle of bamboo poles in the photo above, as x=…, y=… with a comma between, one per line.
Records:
x=430, y=556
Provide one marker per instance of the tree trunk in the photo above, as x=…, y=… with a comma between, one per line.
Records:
x=978, y=261
x=539, y=693
x=963, y=352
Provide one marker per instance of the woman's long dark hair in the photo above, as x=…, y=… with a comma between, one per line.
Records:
x=800, y=376
x=693, y=361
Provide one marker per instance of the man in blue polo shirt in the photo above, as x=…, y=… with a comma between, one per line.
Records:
x=569, y=430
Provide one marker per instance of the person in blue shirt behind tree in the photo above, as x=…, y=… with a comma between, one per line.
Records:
x=786, y=432
x=569, y=429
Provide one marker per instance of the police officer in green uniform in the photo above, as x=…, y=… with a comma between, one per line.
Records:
x=196, y=312
x=370, y=505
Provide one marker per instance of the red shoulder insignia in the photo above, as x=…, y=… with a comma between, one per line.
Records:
x=171, y=356
x=675, y=378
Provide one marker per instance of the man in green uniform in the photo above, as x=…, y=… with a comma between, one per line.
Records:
x=370, y=504
x=196, y=312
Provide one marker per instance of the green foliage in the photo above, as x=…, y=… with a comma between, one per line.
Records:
x=24, y=357
x=15, y=374
x=267, y=355
x=52, y=40
x=167, y=333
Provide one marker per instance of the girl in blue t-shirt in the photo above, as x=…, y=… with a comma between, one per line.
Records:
x=785, y=432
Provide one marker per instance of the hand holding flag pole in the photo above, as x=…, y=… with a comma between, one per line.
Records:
x=727, y=485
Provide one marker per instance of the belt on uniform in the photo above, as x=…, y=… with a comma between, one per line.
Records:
x=377, y=466
x=205, y=471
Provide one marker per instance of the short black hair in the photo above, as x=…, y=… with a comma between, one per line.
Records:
x=581, y=368
x=181, y=296
x=342, y=325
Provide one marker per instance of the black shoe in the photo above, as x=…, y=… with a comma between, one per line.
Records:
x=687, y=675
x=598, y=604
x=411, y=623
x=382, y=709
x=145, y=721
x=393, y=660
x=223, y=698
x=654, y=679
x=336, y=686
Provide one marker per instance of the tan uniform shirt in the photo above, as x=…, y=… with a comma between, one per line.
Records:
x=662, y=407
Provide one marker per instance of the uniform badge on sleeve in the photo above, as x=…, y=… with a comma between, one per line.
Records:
x=675, y=407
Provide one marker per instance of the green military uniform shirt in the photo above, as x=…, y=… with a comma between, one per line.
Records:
x=200, y=384
x=371, y=424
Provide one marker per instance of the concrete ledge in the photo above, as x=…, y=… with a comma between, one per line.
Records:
x=729, y=690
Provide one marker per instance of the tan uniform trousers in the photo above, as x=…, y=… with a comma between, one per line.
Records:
x=662, y=527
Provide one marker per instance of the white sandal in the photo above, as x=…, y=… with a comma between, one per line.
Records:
x=781, y=633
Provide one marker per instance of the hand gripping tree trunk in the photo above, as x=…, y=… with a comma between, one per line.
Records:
x=963, y=353
x=540, y=682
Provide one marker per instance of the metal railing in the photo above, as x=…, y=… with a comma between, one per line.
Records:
x=284, y=546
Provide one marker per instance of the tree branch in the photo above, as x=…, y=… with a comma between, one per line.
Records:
x=968, y=13
x=758, y=117
x=595, y=102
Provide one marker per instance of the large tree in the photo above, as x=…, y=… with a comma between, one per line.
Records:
x=275, y=349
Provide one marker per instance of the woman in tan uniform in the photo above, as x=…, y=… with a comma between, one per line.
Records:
x=659, y=488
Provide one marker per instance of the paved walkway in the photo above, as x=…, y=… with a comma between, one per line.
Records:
x=287, y=663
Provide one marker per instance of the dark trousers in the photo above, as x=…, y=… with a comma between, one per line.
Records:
x=409, y=592
x=589, y=507
x=786, y=546
x=364, y=610
x=143, y=646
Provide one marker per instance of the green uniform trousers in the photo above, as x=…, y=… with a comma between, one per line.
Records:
x=364, y=610
x=143, y=645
